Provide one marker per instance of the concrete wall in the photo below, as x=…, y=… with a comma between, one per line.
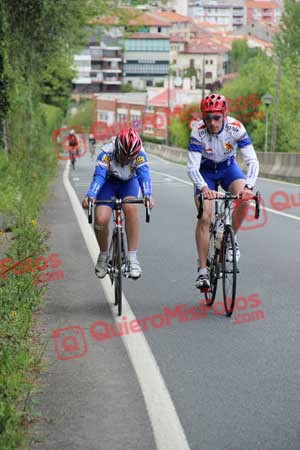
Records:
x=285, y=166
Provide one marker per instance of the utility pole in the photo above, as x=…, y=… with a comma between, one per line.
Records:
x=168, y=108
x=276, y=107
x=267, y=99
x=143, y=116
x=203, y=78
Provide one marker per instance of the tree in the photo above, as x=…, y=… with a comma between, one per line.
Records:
x=36, y=38
x=286, y=49
x=240, y=54
x=287, y=41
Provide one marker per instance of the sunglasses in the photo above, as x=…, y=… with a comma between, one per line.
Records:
x=213, y=117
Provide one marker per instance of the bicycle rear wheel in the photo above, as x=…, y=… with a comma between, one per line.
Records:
x=118, y=269
x=229, y=268
x=213, y=267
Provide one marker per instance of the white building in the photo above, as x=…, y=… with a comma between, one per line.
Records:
x=232, y=15
x=180, y=6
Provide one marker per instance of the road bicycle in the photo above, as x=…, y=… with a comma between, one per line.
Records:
x=117, y=259
x=221, y=263
x=73, y=158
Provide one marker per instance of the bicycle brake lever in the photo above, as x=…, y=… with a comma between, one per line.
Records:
x=90, y=211
x=147, y=201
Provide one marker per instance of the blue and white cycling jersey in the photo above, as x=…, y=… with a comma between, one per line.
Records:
x=208, y=151
x=107, y=166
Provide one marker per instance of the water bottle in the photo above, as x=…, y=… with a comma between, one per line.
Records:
x=219, y=233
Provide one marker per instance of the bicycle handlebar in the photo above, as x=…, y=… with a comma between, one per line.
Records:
x=228, y=196
x=117, y=201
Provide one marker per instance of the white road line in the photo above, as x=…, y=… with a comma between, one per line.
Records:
x=167, y=429
x=290, y=216
x=274, y=211
x=172, y=177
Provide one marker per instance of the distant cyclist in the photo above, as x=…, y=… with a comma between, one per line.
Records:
x=73, y=143
x=211, y=157
x=121, y=169
x=92, y=144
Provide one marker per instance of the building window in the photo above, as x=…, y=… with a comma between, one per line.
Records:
x=102, y=116
x=149, y=128
x=159, y=29
x=147, y=45
x=208, y=74
x=121, y=118
x=192, y=63
x=147, y=69
x=211, y=61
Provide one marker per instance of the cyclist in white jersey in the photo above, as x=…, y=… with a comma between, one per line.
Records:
x=211, y=157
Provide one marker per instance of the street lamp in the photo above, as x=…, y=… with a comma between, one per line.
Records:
x=267, y=99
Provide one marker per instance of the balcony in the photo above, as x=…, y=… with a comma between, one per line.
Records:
x=101, y=57
x=112, y=80
x=112, y=70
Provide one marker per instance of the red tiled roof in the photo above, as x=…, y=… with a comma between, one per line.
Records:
x=147, y=36
x=177, y=38
x=162, y=98
x=205, y=47
x=260, y=41
x=173, y=16
x=150, y=19
x=262, y=4
x=208, y=24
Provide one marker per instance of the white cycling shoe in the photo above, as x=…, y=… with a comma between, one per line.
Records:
x=101, y=266
x=237, y=252
x=134, y=269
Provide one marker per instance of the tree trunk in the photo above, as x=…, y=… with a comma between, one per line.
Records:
x=4, y=133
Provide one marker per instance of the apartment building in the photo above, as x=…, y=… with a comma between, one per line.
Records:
x=146, y=59
x=268, y=12
x=180, y=6
x=99, y=67
x=231, y=15
x=206, y=60
x=180, y=24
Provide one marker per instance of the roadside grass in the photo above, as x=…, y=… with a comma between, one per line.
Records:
x=24, y=189
x=84, y=116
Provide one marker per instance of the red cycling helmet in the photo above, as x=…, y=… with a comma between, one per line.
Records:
x=213, y=103
x=127, y=144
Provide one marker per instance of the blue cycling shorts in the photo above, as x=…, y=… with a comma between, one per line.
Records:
x=226, y=176
x=119, y=189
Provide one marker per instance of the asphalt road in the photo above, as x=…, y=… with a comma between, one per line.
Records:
x=233, y=383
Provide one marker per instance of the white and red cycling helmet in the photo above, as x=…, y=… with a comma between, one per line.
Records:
x=127, y=145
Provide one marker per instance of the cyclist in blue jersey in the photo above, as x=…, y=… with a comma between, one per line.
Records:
x=211, y=157
x=121, y=169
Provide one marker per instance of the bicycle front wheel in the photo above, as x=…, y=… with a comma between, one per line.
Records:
x=118, y=269
x=213, y=267
x=229, y=268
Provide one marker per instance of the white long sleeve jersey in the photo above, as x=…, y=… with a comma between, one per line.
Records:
x=220, y=147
